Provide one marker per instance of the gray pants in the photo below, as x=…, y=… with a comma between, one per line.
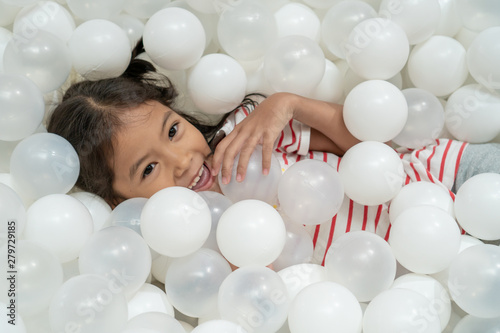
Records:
x=476, y=159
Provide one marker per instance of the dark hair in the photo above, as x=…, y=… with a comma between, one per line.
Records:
x=91, y=112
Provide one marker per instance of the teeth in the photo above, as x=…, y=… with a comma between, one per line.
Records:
x=197, y=179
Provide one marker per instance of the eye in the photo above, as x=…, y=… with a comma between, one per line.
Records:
x=173, y=131
x=148, y=169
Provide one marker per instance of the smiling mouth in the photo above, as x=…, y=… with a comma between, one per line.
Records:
x=201, y=179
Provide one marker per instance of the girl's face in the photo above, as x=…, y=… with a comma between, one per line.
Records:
x=157, y=148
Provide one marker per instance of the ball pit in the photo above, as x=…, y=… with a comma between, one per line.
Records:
x=410, y=71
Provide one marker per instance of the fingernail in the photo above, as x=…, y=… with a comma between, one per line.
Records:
x=224, y=180
x=265, y=172
x=214, y=172
x=239, y=178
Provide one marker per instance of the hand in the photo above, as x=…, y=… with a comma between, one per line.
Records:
x=262, y=126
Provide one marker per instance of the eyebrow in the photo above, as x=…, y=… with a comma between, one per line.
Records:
x=135, y=166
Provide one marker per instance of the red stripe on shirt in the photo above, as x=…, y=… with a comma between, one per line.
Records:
x=316, y=234
x=365, y=218
x=417, y=176
x=245, y=111
x=387, y=233
x=280, y=141
x=460, y=152
x=377, y=218
x=330, y=238
x=294, y=137
x=443, y=161
x=349, y=217
x=430, y=157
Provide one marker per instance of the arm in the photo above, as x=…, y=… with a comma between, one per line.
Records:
x=266, y=122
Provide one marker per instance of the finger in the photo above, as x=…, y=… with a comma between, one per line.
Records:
x=267, y=154
x=245, y=154
x=219, y=152
x=228, y=159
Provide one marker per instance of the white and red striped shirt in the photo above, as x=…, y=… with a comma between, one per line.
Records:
x=437, y=163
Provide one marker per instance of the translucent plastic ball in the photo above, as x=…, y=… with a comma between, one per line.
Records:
x=175, y=221
x=192, y=282
x=247, y=30
x=310, y=192
x=331, y=87
x=425, y=239
x=88, y=303
x=154, y=322
x=251, y=232
x=477, y=206
x=449, y=23
x=143, y=9
x=420, y=193
x=44, y=15
x=481, y=56
x=478, y=15
x=471, y=114
x=99, y=49
x=298, y=248
x=438, y=54
x=44, y=163
x=120, y=255
x=362, y=262
x=98, y=208
x=419, y=19
x=42, y=57
x=338, y=22
x=95, y=9
x=174, y=38
x=132, y=26
x=61, y=223
x=39, y=275
x=21, y=107
x=425, y=119
x=377, y=48
x=217, y=83
x=470, y=323
x=297, y=19
x=434, y=291
x=219, y=326
x=323, y=305
x=294, y=64
x=474, y=280
x=12, y=214
x=375, y=110
x=254, y=297
x=128, y=214
x=297, y=277
x=255, y=185
x=400, y=310
x=217, y=203
x=372, y=173
x=149, y=298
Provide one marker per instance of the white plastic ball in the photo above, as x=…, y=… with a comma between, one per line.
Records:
x=174, y=38
x=471, y=114
x=323, y=305
x=175, y=221
x=477, y=206
x=219, y=326
x=120, y=255
x=425, y=119
x=470, y=323
x=44, y=163
x=481, y=58
x=217, y=203
x=9, y=312
x=251, y=232
x=298, y=249
x=420, y=193
x=133, y=27
x=425, y=239
x=247, y=30
x=44, y=15
x=297, y=277
x=331, y=87
x=21, y=107
x=474, y=280
x=95, y=9
x=128, y=214
x=338, y=22
x=377, y=48
x=310, y=192
x=255, y=185
x=143, y=9
x=38, y=275
x=61, y=223
x=449, y=21
x=294, y=64
x=217, y=83
x=400, y=310
x=297, y=19
x=42, y=57
x=362, y=262
x=438, y=54
x=372, y=173
x=153, y=322
x=375, y=110
x=5, y=37
x=98, y=208
x=192, y=283
x=99, y=49
x=104, y=307
x=478, y=15
x=149, y=298
x=12, y=214
x=419, y=19
x=432, y=289
x=254, y=297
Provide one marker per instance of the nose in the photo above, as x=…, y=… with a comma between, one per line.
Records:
x=181, y=162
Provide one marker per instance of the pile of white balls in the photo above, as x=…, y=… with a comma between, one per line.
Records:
x=409, y=71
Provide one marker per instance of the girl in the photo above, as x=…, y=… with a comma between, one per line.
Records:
x=132, y=142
